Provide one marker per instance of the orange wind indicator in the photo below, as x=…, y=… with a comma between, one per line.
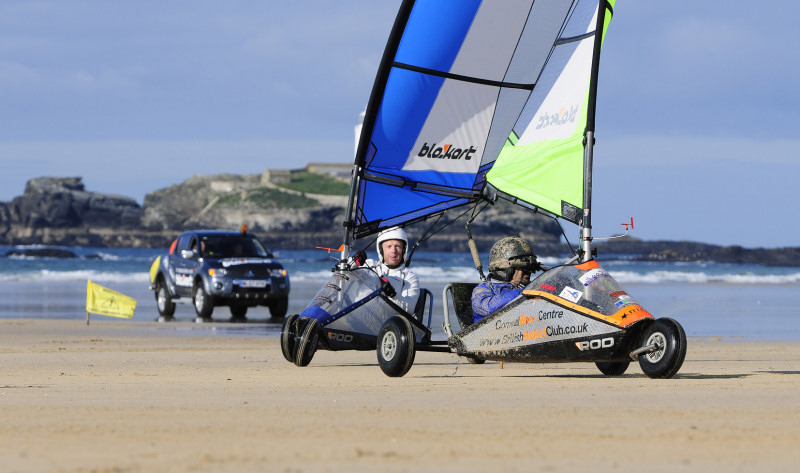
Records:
x=341, y=248
x=626, y=225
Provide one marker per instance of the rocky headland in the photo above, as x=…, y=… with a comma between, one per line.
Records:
x=291, y=209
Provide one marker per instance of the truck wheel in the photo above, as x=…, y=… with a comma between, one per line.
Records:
x=238, y=313
x=670, y=341
x=288, y=334
x=164, y=303
x=203, y=303
x=277, y=309
x=396, y=347
x=613, y=368
x=305, y=341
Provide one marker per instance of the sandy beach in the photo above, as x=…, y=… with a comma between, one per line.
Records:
x=126, y=396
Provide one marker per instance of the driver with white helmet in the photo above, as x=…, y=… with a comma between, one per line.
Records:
x=392, y=246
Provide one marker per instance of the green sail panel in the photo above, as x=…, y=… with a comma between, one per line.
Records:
x=542, y=162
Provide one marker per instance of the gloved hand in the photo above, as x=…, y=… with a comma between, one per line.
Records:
x=387, y=288
x=360, y=258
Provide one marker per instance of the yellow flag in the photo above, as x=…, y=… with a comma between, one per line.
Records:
x=104, y=301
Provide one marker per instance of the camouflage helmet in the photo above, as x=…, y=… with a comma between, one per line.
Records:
x=509, y=254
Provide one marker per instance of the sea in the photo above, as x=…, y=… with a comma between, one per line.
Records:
x=710, y=300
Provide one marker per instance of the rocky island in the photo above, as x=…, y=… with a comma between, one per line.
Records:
x=290, y=209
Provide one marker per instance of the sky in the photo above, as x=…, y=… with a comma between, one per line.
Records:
x=698, y=102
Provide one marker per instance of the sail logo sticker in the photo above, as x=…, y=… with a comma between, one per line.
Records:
x=560, y=117
x=592, y=275
x=446, y=152
x=570, y=294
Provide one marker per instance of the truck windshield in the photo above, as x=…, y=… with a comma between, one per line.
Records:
x=232, y=246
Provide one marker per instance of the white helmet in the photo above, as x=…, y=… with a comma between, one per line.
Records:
x=394, y=233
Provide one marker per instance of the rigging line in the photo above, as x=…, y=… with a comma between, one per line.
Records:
x=474, y=80
x=423, y=238
x=564, y=234
x=452, y=221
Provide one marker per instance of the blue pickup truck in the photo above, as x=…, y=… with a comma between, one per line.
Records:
x=219, y=268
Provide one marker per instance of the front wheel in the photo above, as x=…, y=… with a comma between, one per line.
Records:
x=164, y=303
x=277, y=309
x=306, y=340
x=238, y=313
x=288, y=334
x=613, y=368
x=669, y=348
x=396, y=347
x=203, y=304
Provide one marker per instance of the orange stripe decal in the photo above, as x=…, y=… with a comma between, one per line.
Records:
x=591, y=264
x=621, y=318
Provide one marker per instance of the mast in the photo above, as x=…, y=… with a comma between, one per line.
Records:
x=371, y=113
x=586, y=221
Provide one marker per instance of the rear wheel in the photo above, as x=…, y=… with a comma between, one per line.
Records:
x=306, y=341
x=277, y=309
x=669, y=341
x=613, y=368
x=396, y=346
x=164, y=303
x=288, y=334
x=203, y=303
x=238, y=313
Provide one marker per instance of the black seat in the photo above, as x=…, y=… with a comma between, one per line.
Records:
x=422, y=302
x=461, y=293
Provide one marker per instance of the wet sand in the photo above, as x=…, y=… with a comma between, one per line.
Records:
x=126, y=396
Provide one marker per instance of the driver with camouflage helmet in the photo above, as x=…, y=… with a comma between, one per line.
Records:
x=511, y=262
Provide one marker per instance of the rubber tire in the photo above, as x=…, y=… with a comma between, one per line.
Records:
x=203, y=303
x=164, y=303
x=475, y=361
x=665, y=362
x=613, y=368
x=238, y=313
x=288, y=334
x=396, y=347
x=278, y=308
x=306, y=340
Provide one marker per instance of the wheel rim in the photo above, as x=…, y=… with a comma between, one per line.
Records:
x=660, y=342
x=389, y=346
x=162, y=299
x=199, y=299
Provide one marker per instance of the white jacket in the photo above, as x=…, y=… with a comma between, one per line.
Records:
x=404, y=282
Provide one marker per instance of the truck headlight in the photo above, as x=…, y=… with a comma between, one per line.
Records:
x=217, y=272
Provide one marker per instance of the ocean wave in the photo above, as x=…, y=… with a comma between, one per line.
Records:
x=659, y=277
x=46, y=275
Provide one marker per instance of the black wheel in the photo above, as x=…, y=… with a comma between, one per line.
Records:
x=670, y=348
x=288, y=333
x=306, y=341
x=475, y=360
x=203, y=303
x=164, y=303
x=613, y=368
x=277, y=309
x=238, y=313
x=396, y=346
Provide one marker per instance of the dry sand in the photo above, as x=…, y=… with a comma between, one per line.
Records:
x=121, y=396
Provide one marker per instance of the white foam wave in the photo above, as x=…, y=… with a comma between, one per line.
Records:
x=46, y=275
x=656, y=277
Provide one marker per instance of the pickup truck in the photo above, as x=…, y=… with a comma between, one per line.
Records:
x=219, y=268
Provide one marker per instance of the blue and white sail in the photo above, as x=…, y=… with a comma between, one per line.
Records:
x=458, y=78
